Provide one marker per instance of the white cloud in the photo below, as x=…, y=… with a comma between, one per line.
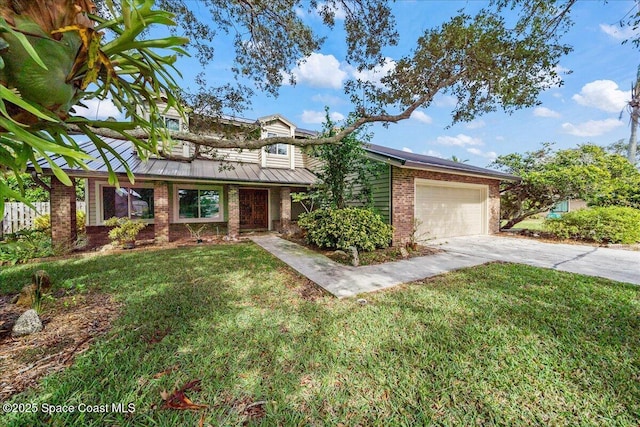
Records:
x=433, y=153
x=545, y=112
x=98, y=110
x=327, y=99
x=318, y=117
x=407, y=150
x=421, y=117
x=460, y=140
x=603, y=95
x=476, y=124
x=374, y=75
x=499, y=138
x=618, y=33
x=320, y=70
x=491, y=155
x=592, y=127
x=447, y=101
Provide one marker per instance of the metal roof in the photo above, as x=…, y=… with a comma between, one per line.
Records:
x=196, y=170
x=419, y=161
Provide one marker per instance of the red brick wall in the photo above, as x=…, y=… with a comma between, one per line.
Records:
x=63, y=214
x=234, y=211
x=285, y=209
x=403, y=193
x=161, y=211
x=99, y=235
x=214, y=229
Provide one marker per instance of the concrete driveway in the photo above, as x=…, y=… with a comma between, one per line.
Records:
x=615, y=264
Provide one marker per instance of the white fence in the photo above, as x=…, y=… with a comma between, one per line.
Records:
x=18, y=216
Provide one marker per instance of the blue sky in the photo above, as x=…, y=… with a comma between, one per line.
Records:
x=585, y=108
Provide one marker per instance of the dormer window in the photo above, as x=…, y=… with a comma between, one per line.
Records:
x=279, y=149
x=171, y=123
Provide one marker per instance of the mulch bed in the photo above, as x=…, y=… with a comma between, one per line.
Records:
x=71, y=323
x=379, y=256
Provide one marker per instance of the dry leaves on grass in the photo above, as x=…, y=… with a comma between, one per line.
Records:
x=71, y=323
x=246, y=407
x=179, y=400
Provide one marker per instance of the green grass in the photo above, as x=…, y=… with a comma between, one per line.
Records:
x=499, y=344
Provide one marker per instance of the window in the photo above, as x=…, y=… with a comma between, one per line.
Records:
x=562, y=206
x=127, y=202
x=279, y=149
x=171, y=123
x=198, y=204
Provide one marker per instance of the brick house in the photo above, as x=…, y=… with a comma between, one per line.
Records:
x=239, y=191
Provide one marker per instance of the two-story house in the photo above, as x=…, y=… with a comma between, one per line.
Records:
x=236, y=191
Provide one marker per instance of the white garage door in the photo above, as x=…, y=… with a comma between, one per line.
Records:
x=445, y=209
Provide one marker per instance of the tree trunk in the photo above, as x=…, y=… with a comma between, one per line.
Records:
x=633, y=139
x=520, y=218
x=634, y=105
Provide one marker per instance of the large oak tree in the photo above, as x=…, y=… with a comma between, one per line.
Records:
x=501, y=57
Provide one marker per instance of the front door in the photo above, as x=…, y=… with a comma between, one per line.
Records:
x=254, y=209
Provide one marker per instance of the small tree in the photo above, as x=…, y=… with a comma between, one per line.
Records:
x=587, y=172
x=345, y=171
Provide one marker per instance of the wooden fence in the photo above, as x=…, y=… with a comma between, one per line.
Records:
x=18, y=216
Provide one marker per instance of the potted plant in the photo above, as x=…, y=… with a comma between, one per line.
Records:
x=124, y=231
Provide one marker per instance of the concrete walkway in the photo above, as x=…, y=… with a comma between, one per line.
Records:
x=346, y=281
x=460, y=252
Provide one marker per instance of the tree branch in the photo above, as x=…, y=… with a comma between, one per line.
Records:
x=216, y=142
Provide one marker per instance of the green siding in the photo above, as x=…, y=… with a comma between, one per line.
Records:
x=380, y=193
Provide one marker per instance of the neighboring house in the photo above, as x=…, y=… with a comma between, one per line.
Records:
x=565, y=206
x=238, y=191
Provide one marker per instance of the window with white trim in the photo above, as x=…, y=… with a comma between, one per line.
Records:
x=171, y=123
x=277, y=149
x=199, y=204
x=127, y=202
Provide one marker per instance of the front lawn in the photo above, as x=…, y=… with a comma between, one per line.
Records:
x=496, y=344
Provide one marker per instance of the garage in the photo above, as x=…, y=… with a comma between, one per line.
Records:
x=448, y=209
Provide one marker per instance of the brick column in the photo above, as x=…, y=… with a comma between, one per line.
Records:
x=161, y=211
x=402, y=191
x=285, y=210
x=63, y=214
x=233, y=225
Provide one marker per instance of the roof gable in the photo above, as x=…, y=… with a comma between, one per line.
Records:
x=277, y=117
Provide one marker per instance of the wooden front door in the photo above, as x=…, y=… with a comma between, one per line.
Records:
x=254, y=209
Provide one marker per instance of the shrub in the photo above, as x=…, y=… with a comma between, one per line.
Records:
x=43, y=222
x=124, y=230
x=341, y=228
x=612, y=224
x=28, y=244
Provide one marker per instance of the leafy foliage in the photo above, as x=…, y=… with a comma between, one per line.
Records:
x=345, y=172
x=612, y=224
x=342, y=228
x=43, y=222
x=53, y=56
x=587, y=172
x=26, y=245
x=124, y=230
